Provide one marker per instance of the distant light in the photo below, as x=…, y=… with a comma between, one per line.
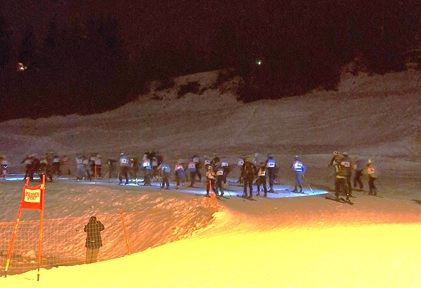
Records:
x=259, y=62
x=21, y=67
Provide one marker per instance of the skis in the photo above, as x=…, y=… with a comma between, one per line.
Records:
x=208, y=196
x=372, y=195
x=340, y=200
x=246, y=198
x=347, y=201
x=296, y=192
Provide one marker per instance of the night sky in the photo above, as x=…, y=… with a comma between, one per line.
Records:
x=303, y=44
x=146, y=24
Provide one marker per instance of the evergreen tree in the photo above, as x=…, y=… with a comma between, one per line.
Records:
x=27, y=49
x=5, y=43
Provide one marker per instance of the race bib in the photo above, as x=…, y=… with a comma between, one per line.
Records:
x=271, y=164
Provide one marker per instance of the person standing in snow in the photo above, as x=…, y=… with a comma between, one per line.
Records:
x=179, y=173
x=165, y=171
x=124, y=168
x=341, y=175
x=347, y=170
x=98, y=165
x=198, y=162
x=93, y=239
x=358, y=171
x=193, y=171
x=372, y=176
x=147, y=172
x=299, y=170
x=80, y=170
x=336, y=158
x=219, y=179
x=248, y=172
x=3, y=166
x=210, y=180
x=206, y=163
x=261, y=179
x=240, y=163
x=27, y=162
x=112, y=167
x=227, y=169
x=272, y=168
x=87, y=167
x=65, y=165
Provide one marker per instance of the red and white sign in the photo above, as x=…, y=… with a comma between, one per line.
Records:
x=33, y=197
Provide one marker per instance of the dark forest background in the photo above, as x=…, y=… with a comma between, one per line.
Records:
x=83, y=66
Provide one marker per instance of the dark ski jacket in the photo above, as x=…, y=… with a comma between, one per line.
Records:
x=93, y=230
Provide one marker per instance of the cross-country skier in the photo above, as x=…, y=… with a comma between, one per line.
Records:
x=347, y=171
x=359, y=165
x=372, y=176
x=210, y=180
x=261, y=179
x=248, y=172
x=124, y=165
x=219, y=179
x=165, y=171
x=198, y=162
x=272, y=168
x=180, y=175
x=299, y=170
x=193, y=171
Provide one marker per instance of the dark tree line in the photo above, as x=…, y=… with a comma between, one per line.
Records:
x=84, y=68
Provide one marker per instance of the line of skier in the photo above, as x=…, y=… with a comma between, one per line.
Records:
x=153, y=166
x=344, y=167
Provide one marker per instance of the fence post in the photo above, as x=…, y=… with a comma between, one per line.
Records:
x=125, y=231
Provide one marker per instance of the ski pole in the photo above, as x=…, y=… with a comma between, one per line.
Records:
x=308, y=184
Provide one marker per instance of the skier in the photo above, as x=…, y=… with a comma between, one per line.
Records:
x=248, y=172
x=198, y=162
x=4, y=164
x=147, y=172
x=28, y=161
x=124, y=168
x=65, y=165
x=154, y=165
x=98, y=165
x=272, y=168
x=165, y=173
x=226, y=168
x=341, y=174
x=112, y=167
x=336, y=158
x=45, y=168
x=80, y=171
x=240, y=163
x=219, y=179
x=210, y=180
x=87, y=168
x=206, y=162
x=193, y=171
x=372, y=176
x=55, y=166
x=347, y=170
x=134, y=168
x=179, y=173
x=358, y=171
x=261, y=179
x=299, y=169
